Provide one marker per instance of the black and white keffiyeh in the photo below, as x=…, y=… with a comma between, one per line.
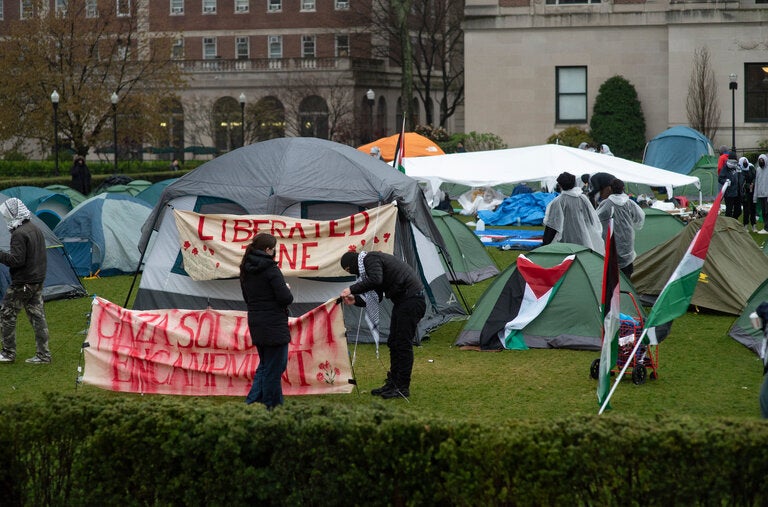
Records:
x=371, y=303
x=15, y=212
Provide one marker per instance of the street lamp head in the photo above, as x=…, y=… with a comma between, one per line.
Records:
x=114, y=98
x=370, y=95
x=734, y=83
x=55, y=97
x=242, y=99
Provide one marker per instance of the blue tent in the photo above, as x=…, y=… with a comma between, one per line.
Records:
x=48, y=205
x=102, y=233
x=677, y=149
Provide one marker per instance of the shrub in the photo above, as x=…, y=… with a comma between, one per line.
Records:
x=572, y=136
x=617, y=119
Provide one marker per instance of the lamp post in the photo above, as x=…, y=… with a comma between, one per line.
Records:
x=113, y=98
x=242, y=119
x=733, y=85
x=55, y=102
x=370, y=96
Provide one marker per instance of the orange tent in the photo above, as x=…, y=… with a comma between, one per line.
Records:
x=415, y=146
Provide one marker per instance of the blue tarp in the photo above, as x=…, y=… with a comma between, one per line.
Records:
x=677, y=149
x=529, y=208
x=511, y=239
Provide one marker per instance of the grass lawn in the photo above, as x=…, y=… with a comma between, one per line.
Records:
x=703, y=373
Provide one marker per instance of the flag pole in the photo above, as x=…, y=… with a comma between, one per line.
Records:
x=621, y=374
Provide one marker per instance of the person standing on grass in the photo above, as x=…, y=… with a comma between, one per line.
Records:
x=570, y=217
x=627, y=216
x=733, y=194
x=760, y=194
x=378, y=275
x=267, y=297
x=27, y=260
x=749, y=216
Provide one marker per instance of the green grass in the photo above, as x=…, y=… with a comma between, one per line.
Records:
x=702, y=372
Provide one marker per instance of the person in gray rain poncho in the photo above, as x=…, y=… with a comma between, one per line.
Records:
x=760, y=194
x=627, y=216
x=570, y=217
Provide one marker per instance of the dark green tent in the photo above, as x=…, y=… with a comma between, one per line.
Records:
x=742, y=330
x=735, y=266
x=659, y=227
x=470, y=261
x=706, y=170
x=572, y=318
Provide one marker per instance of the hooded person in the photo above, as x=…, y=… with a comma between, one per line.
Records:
x=627, y=217
x=571, y=218
x=733, y=194
x=27, y=263
x=760, y=194
x=605, y=150
x=599, y=187
x=722, y=159
x=376, y=152
x=380, y=275
x=748, y=216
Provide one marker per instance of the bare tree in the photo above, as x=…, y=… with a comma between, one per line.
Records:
x=701, y=105
x=85, y=58
x=198, y=121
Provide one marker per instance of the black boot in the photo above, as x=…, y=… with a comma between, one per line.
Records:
x=395, y=392
x=386, y=387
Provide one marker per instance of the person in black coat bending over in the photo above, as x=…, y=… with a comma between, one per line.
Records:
x=267, y=297
x=384, y=275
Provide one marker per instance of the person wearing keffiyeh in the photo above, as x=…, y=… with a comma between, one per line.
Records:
x=383, y=275
x=27, y=263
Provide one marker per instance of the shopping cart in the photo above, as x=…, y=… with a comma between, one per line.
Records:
x=646, y=357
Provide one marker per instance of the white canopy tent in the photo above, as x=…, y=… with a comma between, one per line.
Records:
x=534, y=163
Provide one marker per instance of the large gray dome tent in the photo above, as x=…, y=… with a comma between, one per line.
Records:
x=296, y=177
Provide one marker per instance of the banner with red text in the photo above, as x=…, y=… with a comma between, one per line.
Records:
x=209, y=352
x=212, y=245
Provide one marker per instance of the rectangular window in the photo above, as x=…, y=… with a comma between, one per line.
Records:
x=2, y=10
x=755, y=92
x=26, y=9
x=341, y=5
x=91, y=9
x=307, y=5
x=242, y=48
x=342, y=45
x=572, y=2
x=177, y=50
x=307, y=46
x=209, y=48
x=275, y=46
x=242, y=6
x=274, y=5
x=177, y=7
x=61, y=7
x=123, y=7
x=571, y=91
x=209, y=6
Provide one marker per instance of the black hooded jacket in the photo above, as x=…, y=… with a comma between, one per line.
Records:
x=388, y=274
x=267, y=297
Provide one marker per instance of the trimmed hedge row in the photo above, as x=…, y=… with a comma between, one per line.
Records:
x=82, y=450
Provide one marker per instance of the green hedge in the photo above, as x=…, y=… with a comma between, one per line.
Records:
x=81, y=450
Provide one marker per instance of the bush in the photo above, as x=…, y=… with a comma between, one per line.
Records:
x=572, y=136
x=617, y=119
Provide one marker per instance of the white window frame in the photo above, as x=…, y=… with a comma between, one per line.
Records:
x=278, y=41
x=26, y=9
x=571, y=94
x=209, y=6
x=308, y=41
x=91, y=9
x=341, y=5
x=177, y=7
x=242, y=6
x=123, y=8
x=339, y=47
x=308, y=5
x=238, y=41
x=61, y=7
x=274, y=5
x=210, y=42
x=2, y=10
x=177, y=49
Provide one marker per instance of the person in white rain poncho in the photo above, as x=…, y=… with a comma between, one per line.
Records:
x=570, y=217
x=627, y=216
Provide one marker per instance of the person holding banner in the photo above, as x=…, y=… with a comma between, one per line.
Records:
x=380, y=274
x=267, y=297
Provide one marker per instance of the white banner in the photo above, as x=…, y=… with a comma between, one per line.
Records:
x=212, y=246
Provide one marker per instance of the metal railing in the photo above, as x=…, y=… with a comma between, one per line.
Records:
x=279, y=64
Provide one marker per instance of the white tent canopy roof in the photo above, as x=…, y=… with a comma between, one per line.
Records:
x=535, y=163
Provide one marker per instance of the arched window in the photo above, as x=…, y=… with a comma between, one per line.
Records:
x=227, y=124
x=269, y=117
x=313, y=117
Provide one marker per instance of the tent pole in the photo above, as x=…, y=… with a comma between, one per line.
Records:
x=141, y=259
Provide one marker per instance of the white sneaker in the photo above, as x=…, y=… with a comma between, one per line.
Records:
x=762, y=231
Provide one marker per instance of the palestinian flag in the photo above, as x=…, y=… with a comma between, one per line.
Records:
x=527, y=292
x=397, y=162
x=675, y=297
x=611, y=305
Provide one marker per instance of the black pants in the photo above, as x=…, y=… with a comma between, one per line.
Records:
x=749, y=217
x=733, y=206
x=763, y=202
x=403, y=325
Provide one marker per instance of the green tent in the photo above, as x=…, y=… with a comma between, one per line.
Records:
x=734, y=268
x=572, y=318
x=659, y=227
x=742, y=330
x=470, y=261
x=706, y=170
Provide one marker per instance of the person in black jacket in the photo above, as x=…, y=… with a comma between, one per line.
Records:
x=267, y=297
x=81, y=176
x=734, y=193
x=27, y=260
x=378, y=275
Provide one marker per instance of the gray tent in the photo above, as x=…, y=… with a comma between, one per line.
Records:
x=297, y=177
x=733, y=269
